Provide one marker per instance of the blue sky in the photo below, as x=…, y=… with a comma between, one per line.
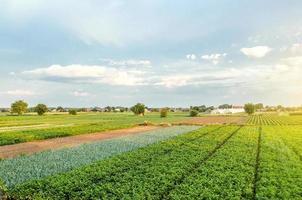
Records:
x=162, y=53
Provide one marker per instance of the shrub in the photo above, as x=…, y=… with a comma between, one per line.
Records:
x=193, y=113
x=164, y=112
x=41, y=109
x=138, y=109
x=19, y=107
x=249, y=108
x=72, y=112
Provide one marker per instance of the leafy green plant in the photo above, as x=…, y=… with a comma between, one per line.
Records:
x=193, y=113
x=41, y=109
x=138, y=109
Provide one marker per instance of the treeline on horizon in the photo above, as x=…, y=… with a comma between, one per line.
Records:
x=19, y=107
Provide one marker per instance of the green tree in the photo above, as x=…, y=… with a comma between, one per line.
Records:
x=193, y=113
x=19, y=107
x=259, y=106
x=41, y=109
x=72, y=112
x=249, y=108
x=164, y=112
x=138, y=109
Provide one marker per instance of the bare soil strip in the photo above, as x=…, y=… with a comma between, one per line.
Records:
x=11, y=151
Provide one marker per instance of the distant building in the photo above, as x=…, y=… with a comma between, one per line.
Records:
x=233, y=110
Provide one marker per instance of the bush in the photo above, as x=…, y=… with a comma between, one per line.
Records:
x=138, y=109
x=72, y=112
x=164, y=112
x=41, y=109
x=193, y=113
x=249, y=108
x=19, y=107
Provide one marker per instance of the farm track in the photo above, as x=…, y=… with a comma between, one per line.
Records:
x=195, y=167
x=257, y=165
x=10, y=151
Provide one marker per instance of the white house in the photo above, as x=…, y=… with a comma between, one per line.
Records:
x=233, y=110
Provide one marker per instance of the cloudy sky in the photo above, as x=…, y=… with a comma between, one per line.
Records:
x=162, y=53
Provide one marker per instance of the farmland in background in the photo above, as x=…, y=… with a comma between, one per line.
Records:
x=232, y=157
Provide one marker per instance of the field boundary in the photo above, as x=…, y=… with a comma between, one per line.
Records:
x=195, y=167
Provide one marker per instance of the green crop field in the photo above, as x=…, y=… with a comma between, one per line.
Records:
x=17, y=129
x=259, y=160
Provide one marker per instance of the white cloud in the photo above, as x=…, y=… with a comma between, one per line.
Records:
x=191, y=56
x=87, y=74
x=214, y=58
x=130, y=62
x=256, y=52
x=19, y=92
x=80, y=94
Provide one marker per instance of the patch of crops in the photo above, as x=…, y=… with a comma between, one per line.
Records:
x=280, y=175
x=229, y=174
x=148, y=172
x=17, y=170
x=274, y=119
x=66, y=125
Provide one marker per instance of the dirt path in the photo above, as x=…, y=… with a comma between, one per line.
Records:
x=10, y=151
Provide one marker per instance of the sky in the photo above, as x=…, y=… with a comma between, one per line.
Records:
x=162, y=53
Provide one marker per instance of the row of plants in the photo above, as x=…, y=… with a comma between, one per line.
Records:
x=17, y=170
x=280, y=170
x=228, y=174
x=147, y=172
x=274, y=119
x=76, y=125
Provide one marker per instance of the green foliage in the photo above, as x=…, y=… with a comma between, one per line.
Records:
x=225, y=106
x=41, y=109
x=164, y=112
x=28, y=128
x=249, y=108
x=3, y=190
x=19, y=107
x=73, y=112
x=53, y=162
x=193, y=113
x=138, y=109
x=259, y=106
x=146, y=172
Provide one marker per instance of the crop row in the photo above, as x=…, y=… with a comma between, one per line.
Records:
x=62, y=125
x=274, y=119
x=17, y=170
x=147, y=172
x=229, y=174
x=280, y=170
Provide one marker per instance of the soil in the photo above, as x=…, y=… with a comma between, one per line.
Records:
x=10, y=151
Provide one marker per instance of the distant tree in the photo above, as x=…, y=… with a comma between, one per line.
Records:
x=193, y=113
x=138, y=109
x=72, y=111
x=249, y=108
x=60, y=109
x=41, y=109
x=225, y=106
x=19, y=107
x=259, y=106
x=164, y=112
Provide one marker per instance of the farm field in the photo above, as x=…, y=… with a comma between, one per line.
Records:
x=261, y=159
x=18, y=129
